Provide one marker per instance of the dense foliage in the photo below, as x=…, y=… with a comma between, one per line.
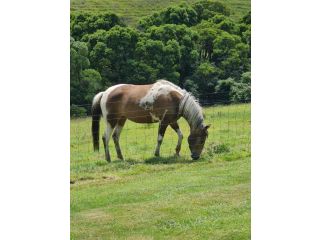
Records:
x=198, y=46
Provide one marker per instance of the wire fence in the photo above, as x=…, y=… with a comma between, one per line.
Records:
x=205, y=100
x=229, y=139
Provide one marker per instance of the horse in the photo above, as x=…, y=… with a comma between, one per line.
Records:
x=162, y=102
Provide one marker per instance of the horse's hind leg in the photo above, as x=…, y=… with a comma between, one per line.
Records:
x=116, y=137
x=161, y=131
x=106, y=138
x=176, y=128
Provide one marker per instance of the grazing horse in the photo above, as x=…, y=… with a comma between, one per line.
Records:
x=161, y=102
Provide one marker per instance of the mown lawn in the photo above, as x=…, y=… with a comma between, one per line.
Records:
x=133, y=10
x=146, y=197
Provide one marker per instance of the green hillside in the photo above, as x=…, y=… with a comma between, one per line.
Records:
x=133, y=10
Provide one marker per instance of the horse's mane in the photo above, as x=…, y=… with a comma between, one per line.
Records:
x=190, y=108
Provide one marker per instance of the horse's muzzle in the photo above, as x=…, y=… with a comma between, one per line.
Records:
x=195, y=157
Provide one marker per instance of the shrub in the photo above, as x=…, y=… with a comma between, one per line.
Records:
x=224, y=90
x=76, y=111
x=241, y=92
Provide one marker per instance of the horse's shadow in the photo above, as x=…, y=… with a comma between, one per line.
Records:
x=162, y=160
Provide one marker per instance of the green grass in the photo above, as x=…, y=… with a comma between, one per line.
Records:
x=133, y=10
x=146, y=197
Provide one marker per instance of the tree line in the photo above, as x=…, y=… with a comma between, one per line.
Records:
x=198, y=47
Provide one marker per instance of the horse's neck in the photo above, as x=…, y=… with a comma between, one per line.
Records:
x=193, y=124
x=191, y=111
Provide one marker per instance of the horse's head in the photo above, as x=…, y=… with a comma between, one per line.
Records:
x=196, y=141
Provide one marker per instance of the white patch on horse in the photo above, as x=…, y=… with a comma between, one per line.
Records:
x=180, y=136
x=157, y=152
x=154, y=117
x=104, y=99
x=97, y=98
x=161, y=87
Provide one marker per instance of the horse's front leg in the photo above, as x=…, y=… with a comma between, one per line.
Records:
x=176, y=128
x=161, y=131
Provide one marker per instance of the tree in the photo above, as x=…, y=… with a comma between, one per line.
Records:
x=161, y=57
x=207, y=9
x=245, y=28
x=224, y=23
x=246, y=18
x=186, y=39
x=91, y=80
x=141, y=73
x=192, y=87
x=87, y=23
x=194, y=46
x=222, y=44
x=111, y=52
x=207, y=34
x=83, y=81
x=183, y=14
x=78, y=62
x=206, y=77
x=93, y=38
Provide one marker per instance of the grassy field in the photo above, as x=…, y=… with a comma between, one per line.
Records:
x=133, y=10
x=146, y=197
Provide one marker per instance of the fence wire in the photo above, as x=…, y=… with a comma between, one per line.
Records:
x=209, y=99
x=229, y=137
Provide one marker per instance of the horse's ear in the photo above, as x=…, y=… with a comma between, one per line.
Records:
x=206, y=127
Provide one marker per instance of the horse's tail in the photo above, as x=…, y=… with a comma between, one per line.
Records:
x=96, y=114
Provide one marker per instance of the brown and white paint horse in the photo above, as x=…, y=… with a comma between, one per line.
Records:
x=161, y=102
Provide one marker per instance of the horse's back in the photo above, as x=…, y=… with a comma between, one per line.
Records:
x=142, y=103
x=125, y=93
